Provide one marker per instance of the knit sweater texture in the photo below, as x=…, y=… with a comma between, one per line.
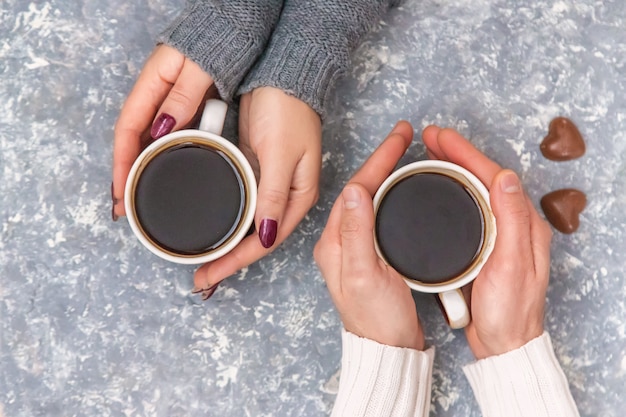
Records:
x=378, y=380
x=224, y=37
x=302, y=47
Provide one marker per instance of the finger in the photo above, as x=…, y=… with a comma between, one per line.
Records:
x=384, y=159
x=510, y=208
x=374, y=171
x=541, y=237
x=285, y=176
x=429, y=137
x=327, y=255
x=250, y=249
x=456, y=149
x=273, y=196
x=359, y=257
x=183, y=100
x=137, y=114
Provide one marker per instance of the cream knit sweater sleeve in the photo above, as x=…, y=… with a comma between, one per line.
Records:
x=526, y=382
x=379, y=380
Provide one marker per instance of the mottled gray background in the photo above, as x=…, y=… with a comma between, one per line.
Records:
x=92, y=324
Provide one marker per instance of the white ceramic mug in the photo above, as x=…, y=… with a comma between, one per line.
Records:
x=208, y=135
x=449, y=291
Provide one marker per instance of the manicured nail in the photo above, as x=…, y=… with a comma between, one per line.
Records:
x=351, y=197
x=162, y=125
x=114, y=202
x=267, y=232
x=509, y=183
x=206, y=294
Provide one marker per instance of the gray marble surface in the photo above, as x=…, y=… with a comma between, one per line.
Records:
x=92, y=324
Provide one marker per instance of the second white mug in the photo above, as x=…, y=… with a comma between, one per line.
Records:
x=434, y=225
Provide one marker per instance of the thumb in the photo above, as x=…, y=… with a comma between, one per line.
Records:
x=510, y=208
x=359, y=257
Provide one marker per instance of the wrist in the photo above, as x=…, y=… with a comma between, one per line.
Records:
x=223, y=41
x=391, y=337
x=310, y=49
x=485, y=345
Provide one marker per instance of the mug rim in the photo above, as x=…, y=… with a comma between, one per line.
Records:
x=441, y=167
x=247, y=176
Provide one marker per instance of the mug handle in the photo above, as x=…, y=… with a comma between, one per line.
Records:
x=213, y=116
x=454, y=307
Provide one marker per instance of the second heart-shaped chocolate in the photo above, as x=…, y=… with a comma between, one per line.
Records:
x=563, y=142
x=563, y=207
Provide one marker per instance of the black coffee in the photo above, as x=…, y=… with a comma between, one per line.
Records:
x=429, y=228
x=189, y=199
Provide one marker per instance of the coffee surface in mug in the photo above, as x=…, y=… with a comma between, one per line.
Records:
x=429, y=227
x=189, y=199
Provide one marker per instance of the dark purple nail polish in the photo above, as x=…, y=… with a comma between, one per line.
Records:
x=114, y=202
x=207, y=293
x=162, y=125
x=267, y=232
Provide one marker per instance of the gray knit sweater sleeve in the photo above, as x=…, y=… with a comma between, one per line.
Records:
x=224, y=37
x=311, y=46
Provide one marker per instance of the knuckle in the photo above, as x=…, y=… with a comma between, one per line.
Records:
x=547, y=230
x=350, y=228
x=180, y=99
x=315, y=195
x=510, y=269
x=318, y=252
x=357, y=282
x=519, y=213
x=275, y=197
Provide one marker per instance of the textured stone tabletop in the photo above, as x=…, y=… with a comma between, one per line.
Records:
x=92, y=324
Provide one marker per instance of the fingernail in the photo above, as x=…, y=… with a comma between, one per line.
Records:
x=510, y=183
x=267, y=232
x=114, y=202
x=206, y=294
x=162, y=125
x=351, y=197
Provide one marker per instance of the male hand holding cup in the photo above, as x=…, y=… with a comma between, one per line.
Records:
x=374, y=301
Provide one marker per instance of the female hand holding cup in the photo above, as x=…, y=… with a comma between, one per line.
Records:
x=279, y=134
x=508, y=295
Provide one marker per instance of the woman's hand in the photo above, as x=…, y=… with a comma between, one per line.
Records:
x=281, y=137
x=508, y=296
x=279, y=134
x=166, y=97
x=372, y=298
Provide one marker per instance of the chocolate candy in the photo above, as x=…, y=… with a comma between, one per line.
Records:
x=563, y=142
x=563, y=207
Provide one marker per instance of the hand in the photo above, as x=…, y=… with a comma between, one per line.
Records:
x=508, y=296
x=281, y=137
x=170, y=87
x=372, y=298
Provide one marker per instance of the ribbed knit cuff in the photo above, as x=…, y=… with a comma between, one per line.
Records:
x=379, y=380
x=294, y=66
x=223, y=46
x=524, y=382
x=311, y=47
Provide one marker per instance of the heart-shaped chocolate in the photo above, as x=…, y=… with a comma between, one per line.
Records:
x=562, y=208
x=563, y=142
